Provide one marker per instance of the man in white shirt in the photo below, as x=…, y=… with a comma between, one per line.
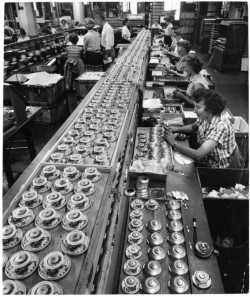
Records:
x=107, y=39
x=126, y=35
x=168, y=31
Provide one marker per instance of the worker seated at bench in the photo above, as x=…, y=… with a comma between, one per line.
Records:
x=192, y=66
x=92, y=45
x=177, y=67
x=215, y=136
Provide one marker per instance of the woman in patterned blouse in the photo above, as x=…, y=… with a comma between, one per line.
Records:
x=215, y=136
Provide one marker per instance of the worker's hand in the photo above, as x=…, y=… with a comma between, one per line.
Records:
x=170, y=138
x=172, y=129
x=166, y=52
x=177, y=93
x=173, y=72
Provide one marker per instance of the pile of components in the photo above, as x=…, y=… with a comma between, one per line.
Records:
x=52, y=226
x=151, y=151
x=155, y=257
x=55, y=224
x=94, y=134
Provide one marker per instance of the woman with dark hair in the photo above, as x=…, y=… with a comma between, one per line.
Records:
x=217, y=146
x=183, y=47
x=168, y=31
x=192, y=66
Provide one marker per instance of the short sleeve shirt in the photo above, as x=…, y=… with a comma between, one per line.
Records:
x=194, y=81
x=168, y=30
x=92, y=41
x=221, y=131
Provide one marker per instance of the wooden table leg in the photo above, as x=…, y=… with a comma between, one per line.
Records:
x=7, y=167
x=30, y=143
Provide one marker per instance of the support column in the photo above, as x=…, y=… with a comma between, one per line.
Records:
x=78, y=11
x=133, y=7
x=26, y=17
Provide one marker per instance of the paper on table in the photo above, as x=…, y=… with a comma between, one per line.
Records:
x=42, y=79
x=190, y=114
x=152, y=103
x=181, y=159
x=154, y=61
x=157, y=73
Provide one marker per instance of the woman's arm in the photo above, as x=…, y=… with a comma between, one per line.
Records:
x=196, y=154
x=184, y=97
x=184, y=129
x=177, y=73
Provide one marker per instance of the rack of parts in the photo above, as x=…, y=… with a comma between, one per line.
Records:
x=50, y=228
x=156, y=251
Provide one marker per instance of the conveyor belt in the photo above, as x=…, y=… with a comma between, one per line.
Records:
x=124, y=104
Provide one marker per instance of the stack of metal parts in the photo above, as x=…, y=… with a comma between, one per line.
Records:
x=48, y=231
x=150, y=146
x=142, y=187
x=57, y=198
x=155, y=257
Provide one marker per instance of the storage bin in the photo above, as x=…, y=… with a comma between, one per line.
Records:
x=228, y=218
x=41, y=96
x=85, y=82
x=242, y=137
x=53, y=114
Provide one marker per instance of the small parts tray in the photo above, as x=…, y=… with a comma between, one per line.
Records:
x=93, y=198
x=169, y=79
x=168, y=273
x=173, y=109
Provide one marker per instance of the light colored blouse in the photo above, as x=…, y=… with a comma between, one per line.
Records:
x=125, y=33
x=168, y=30
x=92, y=42
x=195, y=81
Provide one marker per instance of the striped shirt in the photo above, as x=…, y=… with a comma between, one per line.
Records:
x=221, y=131
x=74, y=51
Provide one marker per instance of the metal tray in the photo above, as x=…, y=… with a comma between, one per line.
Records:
x=165, y=276
x=111, y=151
x=69, y=282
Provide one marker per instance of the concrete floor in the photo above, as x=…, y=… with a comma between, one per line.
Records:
x=234, y=88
